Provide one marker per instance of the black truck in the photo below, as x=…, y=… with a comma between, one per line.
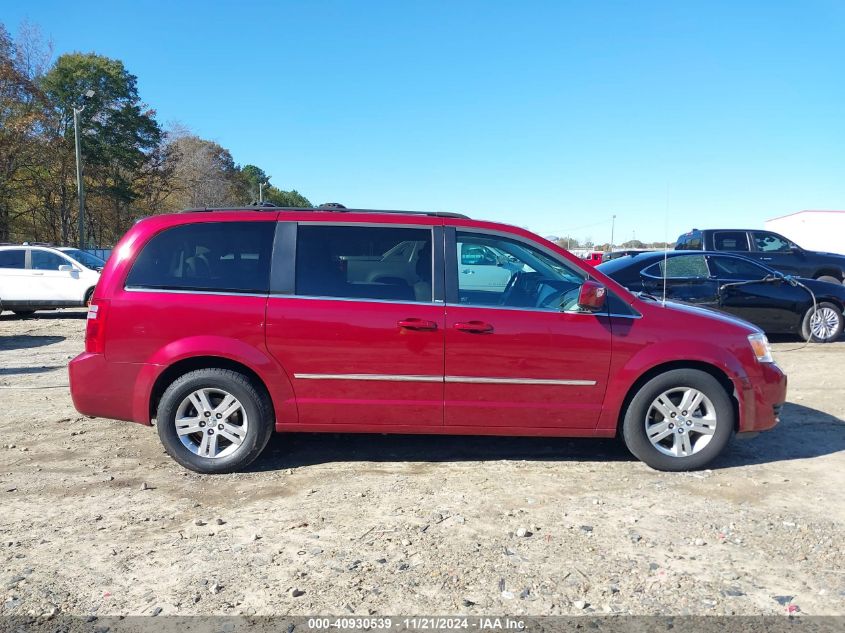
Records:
x=771, y=249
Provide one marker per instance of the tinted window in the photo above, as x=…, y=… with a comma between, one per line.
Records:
x=684, y=267
x=511, y=273
x=13, y=258
x=689, y=242
x=213, y=256
x=364, y=262
x=730, y=241
x=85, y=258
x=45, y=260
x=735, y=268
x=771, y=243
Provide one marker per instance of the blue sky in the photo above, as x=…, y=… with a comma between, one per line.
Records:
x=549, y=115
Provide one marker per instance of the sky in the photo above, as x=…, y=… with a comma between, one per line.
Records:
x=554, y=116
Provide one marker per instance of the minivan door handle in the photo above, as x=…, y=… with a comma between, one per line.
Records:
x=417, y=324
x=474, y=327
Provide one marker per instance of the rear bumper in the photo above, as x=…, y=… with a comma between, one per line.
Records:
x=108, y=390
x=761, y=398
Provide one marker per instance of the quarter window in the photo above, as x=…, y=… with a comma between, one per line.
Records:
x=364, y=262
x=683, y=267
x=209, y=256
x=13, y=258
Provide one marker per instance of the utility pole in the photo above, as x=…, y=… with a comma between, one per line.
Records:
x=261, y=186
x=80, y=186
x=612, y=229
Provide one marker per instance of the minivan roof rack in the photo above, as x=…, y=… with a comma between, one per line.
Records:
x=333, y=209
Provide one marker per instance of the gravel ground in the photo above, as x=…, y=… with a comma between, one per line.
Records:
x=96, y=519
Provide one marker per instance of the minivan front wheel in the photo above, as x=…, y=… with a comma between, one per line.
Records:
x=214, y=420
x=679, y=420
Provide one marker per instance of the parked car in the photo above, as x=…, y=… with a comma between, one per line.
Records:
x=225, y=326
x=769, y=249
x=593, y=258
x=739, y=286
x=36, y=277
x=611, y=255
x=86, y=259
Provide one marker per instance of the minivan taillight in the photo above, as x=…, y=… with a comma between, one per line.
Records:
x=95, y=331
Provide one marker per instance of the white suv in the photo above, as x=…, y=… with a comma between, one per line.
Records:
x=40, y=277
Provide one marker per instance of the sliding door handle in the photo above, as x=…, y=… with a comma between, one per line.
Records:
x=417, y=324
x=474, y=327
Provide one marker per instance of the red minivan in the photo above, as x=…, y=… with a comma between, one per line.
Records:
x=223, y=326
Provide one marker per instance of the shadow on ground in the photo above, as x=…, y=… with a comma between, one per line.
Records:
x=48, y=315
x=28, y=342
x=803, y=433
x=18, y=371
x=305, y=449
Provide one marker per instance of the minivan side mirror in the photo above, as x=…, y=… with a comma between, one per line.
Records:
x=591, y=296
x=66, y=268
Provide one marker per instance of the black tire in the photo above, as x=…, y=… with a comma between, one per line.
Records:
x=829, y=279
x=828, y=310
x=24, y=314
x=256, y=404
x=634, y=423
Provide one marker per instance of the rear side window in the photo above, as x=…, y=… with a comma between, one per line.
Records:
x=13, y=258
x=364, y=262
x=210, y=256
x=730, y=241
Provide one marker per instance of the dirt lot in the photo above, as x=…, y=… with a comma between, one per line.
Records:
x=96, y=519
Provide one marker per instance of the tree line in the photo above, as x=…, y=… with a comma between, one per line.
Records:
x=133, y=167
x=570, y=242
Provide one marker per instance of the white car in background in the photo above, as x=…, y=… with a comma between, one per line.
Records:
x=43, y=278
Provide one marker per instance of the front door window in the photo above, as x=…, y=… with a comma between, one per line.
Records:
x=496, y=271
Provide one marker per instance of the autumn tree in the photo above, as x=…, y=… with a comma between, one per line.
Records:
x=22, y=123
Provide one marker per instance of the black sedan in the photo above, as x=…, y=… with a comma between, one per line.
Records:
x=776, y=303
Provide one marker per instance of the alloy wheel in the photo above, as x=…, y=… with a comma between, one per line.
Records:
x=824, y=323
x=680, y=422
x=211, y=423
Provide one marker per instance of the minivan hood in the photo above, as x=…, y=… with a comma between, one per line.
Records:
x=707, y=313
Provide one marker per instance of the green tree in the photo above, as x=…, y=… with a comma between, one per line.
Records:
x=282, y=198
x=253, y=176
x=119, y=135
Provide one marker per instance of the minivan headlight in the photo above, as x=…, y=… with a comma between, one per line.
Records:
x=761, y=347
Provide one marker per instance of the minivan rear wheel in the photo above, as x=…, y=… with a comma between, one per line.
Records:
x=679, y=420
x=214, y=420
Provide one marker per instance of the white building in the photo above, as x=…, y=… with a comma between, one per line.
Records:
x=813, y=230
